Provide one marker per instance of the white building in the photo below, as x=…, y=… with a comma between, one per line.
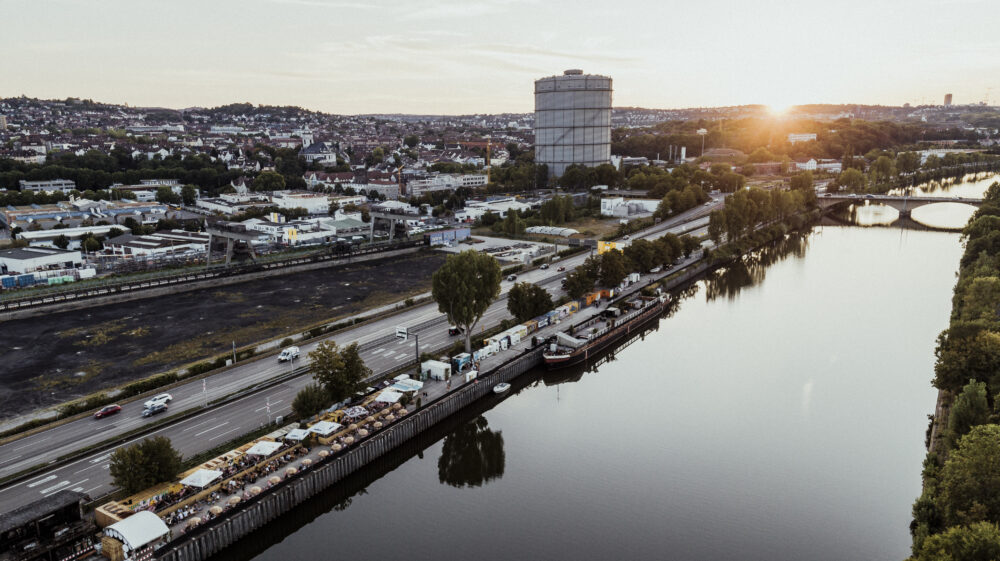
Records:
x=806, y=165
x=622, y=207
x=49, y=186
x=794, y=137
x=23, y=260
x=313, y=203
x=445, y=182
x=158, y=243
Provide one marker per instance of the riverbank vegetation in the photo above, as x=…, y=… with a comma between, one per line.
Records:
x=903, y=170
x=960, y=503
x=755, y=216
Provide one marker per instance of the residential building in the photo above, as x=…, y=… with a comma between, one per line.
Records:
x=620, y=206
x=794, y=137
x=313, y=203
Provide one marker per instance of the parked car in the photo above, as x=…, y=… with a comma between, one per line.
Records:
x=163, y=398
x=512, y=278
x=869, y=196
x=288, y=353
x=655, y=270
x=156, y=408
x=107, y=410
x=454, y=330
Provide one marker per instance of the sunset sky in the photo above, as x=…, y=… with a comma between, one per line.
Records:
x=467, y=56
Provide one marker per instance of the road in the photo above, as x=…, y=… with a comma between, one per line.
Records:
x=380, y=350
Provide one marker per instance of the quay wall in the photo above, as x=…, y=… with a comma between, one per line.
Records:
x=214, y=536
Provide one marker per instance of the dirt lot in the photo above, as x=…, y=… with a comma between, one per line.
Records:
x=62, y=356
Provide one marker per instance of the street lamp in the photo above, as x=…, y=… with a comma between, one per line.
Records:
x=702, y=132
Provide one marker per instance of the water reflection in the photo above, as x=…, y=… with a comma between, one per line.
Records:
x=971, y=185
x=751, y=269
x=472, y=455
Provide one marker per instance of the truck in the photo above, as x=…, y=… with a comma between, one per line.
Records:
x=288, y=353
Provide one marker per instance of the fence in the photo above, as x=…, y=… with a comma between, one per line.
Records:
x=211, y=538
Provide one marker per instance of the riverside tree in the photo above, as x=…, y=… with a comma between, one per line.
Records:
x=464, y=287
x=527, y=300
x=310, y=400
x=144, y=464
x=341, y=372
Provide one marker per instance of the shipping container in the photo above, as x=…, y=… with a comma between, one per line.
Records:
x=531, y=325
x=589, y=299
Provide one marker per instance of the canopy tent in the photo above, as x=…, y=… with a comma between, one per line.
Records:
x=296, y=434
x=408, y=385
x=388, y=396
x=264, y=448
x=138, y=530
x=201, y=478
x=402, y=377
x=355, y=412
x=325, y=428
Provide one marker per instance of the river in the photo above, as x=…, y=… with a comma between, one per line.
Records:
x=778, y=413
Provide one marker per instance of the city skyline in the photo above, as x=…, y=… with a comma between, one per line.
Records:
x=387, y=56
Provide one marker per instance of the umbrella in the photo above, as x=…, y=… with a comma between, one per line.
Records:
x=349, y=440
x=389, y=418
x=402, y=412
x=369, y=419
x=234, y=499
x=397, y=405
x=337, y=447
x=352, y=426
x=362, y=432
x=307, y=462
x=255, y=490
x=194, y=522
x=324, y=453
x=291, y=471
x=216, y=509
x=378, y=424
x=275, y=479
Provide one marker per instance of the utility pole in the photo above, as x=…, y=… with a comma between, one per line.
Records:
x=234, y=352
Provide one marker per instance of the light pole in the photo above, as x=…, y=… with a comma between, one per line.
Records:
x=702, y=133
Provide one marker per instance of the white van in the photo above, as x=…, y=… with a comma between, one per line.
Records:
x=289, y=353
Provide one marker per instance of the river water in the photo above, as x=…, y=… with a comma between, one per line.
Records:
x=778, y=413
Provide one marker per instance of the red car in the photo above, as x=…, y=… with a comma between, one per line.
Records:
x=107, y=410
x=561, y=269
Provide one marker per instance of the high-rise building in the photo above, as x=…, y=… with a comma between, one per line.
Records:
x=572, y=120
x=947, y=100
x=3, y=122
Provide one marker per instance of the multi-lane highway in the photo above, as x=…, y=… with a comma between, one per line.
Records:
x=380, y=350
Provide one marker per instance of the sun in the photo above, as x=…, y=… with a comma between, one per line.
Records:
x=779, y=109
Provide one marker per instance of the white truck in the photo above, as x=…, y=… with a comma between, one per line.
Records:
x=288, y=353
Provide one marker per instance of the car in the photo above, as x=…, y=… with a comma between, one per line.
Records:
x=288, y=353
x=156, y=408
x=454, y=330
x=655, y=270
x=107, y=410
x=163, y=398
x=869, y=196
x=561, y=269
x=512, y=278
x=626, y=237
x=709, y=203
x=544, y=266
x=828, y=195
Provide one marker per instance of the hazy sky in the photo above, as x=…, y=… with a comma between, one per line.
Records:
x=468, y=56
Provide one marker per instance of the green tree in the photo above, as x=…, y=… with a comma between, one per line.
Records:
x=189, y=194
x=341, y=372
x=963, y=356
x=642, y=254
x=748, y=170
x=577, y=283
x=411, y=140
x=976, y=542
x=613, y=268
x=851, y=180
x=690, y=244
x=91, y=244
x=61, y=241
x=269, y=181
x=166, y=195
x=802, y=181
x=883, y=169
x=526, y=300
x=907, y=162
x=970, y=481
x=716, y=226
x=971, y=408
x=310, y=400
x=144, y=464
x=464, y=287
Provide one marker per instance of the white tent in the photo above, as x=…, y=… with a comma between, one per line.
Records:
x=296, y=434
x=201, y=478
x=325, y=428
x=389, y=396
x=264, y=448
x=138, y=530
x=408, y=385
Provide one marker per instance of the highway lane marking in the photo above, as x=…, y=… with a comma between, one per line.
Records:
x=378, y=350
x=11, y=459
x=100, y=459
x=30, y=444
x=389, y=353
x=211, y=429
x=42, y=480
x=224, y=433
x=198, y=425
x=265, y=407
x=54, y=488
x=93, y=489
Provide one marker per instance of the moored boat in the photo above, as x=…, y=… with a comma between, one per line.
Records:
x=500, y=388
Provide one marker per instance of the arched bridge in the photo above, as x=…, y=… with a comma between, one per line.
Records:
x=903, y=204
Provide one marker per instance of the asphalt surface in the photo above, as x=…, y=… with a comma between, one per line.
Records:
x=381, y=351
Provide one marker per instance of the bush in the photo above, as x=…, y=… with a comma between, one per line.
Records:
x=286, y=342
x=409, y=302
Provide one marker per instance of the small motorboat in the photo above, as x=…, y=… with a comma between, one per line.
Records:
x=502, y=387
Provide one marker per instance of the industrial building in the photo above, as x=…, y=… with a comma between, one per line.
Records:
x=47, y=185
x=572, y=120
x=52, y=527
x=22, y=260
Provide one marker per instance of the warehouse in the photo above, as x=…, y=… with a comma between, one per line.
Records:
x=23, y=260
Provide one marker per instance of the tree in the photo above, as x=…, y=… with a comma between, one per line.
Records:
x=341, y=372
x=962, y=356
x=189, y=194
x=976, y=542
x=716, y=226
x=62, y=242
x=471, y=455
x=114, y=233
x=613, y=268
x=690, y=244
x=526, y=300
x=411, y=140
x=642, y=254
x=91, y=244
x=970, y=482
x=269, y=181
x=802, y=181
x=852, y=180
x=971, y=408
x=577, y=283
x=464, y=287
x=748, y=170
x=310, y=400
x=883, y=169
x=144, y=464
x=166, y=195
